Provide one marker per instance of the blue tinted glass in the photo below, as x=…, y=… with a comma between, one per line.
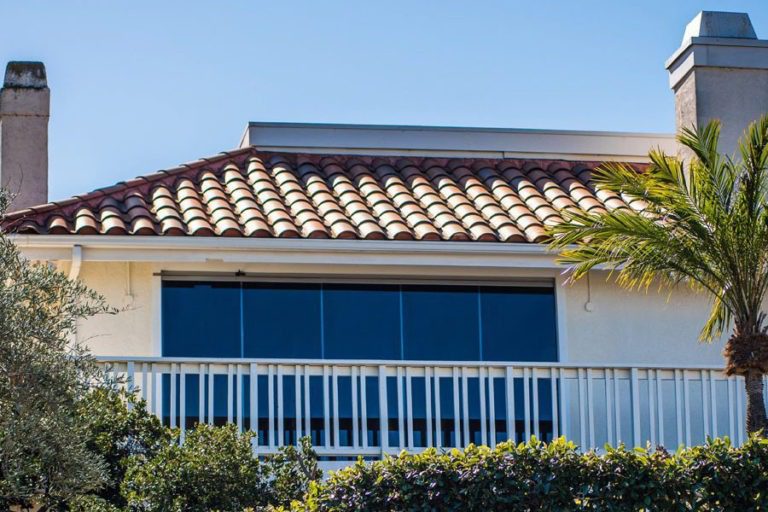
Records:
x=361, y=321
x=201, y=319
x=519, y=324
x=441, y=323
x=281, y=320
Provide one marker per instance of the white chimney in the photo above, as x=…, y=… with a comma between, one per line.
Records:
x=24, y=110
x=720, y=72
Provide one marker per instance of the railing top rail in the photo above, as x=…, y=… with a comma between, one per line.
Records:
x=400, y=363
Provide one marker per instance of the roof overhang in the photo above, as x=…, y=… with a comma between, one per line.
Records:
x=266, y=251
x=455, y=142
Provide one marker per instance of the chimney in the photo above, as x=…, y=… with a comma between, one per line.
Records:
x=24, y=111
x=720, y=72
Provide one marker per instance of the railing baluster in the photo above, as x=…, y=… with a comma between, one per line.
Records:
x=456, y=408
x=651, y=407
x=355, y=433
x=535, y=386
x=239, y=413
x=731, y=409
x=428, y=404
x=553, y=395
x=509, y=383
x=409, y=406
x=254, y=399
x=617, y=408
x=280, y=408
x=609, y=377
x=307, y=404
x=335, y=383
x=590, y=409
x=713, y=401
x=157, y=392
x=271, y=405
x=438, y=418
x=635, y=390
x=660, y=404
x=297, y=394
x=679, y=407
x=687, y=402
x=200, y=394
x=383, y=412
x=563, y=389
x=492, y=408
x=582, y=410
x=172, y=408
x=130, y=373
x=211, y=396
x=230, y=394
x=145, y=383
x=183, y=401
x=740, y=391
x=705, y=405
x=465, y=405
x=364, y=404
x=326, y=409
x=527, y=403
x=400, y=415
x=481, y=372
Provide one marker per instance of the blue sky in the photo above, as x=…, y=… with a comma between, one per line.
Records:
x=139, y=86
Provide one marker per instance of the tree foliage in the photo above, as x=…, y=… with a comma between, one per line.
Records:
x=43, y=454
x=118, y=426
x=701, y=222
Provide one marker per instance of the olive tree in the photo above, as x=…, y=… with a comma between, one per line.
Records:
x=44, y=460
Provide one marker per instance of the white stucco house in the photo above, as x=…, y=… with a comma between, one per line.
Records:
x=381, y=288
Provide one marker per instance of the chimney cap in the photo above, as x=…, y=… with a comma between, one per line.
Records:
x=25, y=75
x=734, y=25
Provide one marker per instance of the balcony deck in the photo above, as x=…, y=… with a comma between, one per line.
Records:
x=340, y=404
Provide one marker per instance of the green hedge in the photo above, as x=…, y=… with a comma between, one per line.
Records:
x=553, y=477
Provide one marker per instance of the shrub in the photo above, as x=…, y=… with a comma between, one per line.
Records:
x=290, y=472
x=213, y=470
x=118, y=426
x=554, y=477
x=216, y=469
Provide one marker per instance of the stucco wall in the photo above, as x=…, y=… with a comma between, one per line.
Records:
x=129, y=288
x=636, y=327
x=623, y=327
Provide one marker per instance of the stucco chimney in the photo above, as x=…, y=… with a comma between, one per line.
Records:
x=720, y=72
x=24, y=111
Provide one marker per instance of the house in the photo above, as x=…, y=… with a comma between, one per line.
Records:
x=381, y=288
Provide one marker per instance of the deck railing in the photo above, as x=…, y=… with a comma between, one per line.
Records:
x=369, y=408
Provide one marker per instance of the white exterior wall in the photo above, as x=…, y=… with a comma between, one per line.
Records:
x=623, y=327
x=129, y=332
x=636, y=327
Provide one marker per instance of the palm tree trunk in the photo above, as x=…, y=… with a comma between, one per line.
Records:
x=756, y=419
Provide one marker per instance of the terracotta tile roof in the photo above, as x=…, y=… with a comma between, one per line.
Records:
x=249, y=193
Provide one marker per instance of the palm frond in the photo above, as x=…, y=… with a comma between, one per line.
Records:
x=703, y=223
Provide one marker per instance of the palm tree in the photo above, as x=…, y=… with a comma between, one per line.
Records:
x=701, y=222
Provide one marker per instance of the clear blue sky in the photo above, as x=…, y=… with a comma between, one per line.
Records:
x=139, y=86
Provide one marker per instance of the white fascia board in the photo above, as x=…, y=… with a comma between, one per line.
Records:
x=456, y=142
x=383, y=253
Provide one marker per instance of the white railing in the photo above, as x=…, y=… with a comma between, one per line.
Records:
x=340, y=404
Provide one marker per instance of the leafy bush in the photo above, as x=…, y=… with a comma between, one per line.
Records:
x=118, y=426
x=216, y=469
x=291, y=471
x=540, y=477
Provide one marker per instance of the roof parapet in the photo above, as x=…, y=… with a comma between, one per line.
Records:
x=455, y=141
